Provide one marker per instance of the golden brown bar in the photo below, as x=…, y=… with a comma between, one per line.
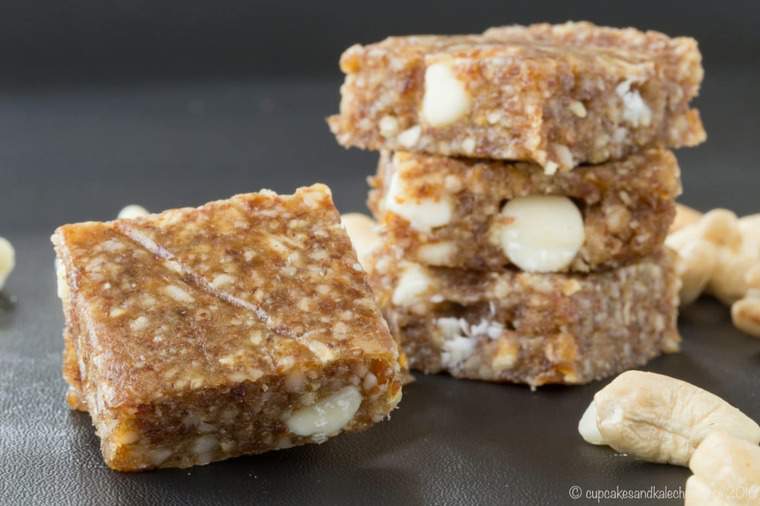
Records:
x=524, y=327
x=455, y=212
x=242, y=326
x=558, y=95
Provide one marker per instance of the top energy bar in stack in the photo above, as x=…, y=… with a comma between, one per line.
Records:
x=558, y=95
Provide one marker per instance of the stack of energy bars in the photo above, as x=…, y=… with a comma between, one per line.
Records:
x=524, y=191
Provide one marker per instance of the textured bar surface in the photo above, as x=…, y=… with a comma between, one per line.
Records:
x=627, y=206
x=528, y=328
x=242, y=326
x=558, y=95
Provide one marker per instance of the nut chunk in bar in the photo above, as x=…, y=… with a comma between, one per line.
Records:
x=242, y=326
x=489, y=214
x=557, y=95
x=525, y=327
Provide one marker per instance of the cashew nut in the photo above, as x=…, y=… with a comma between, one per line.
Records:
x=362, y=230
x=718, y=254
x=660, y=419
x=7, y=260
x=740, y=251
x=726, y=472
x=132, y=211
x=695, y=265
x=699, y=246
x=685, y=215
x=745, y=312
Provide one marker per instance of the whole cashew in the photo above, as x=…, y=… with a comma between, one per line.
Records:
x=719, y=253
x=726, y=471
x=363, y=233
x=660, y=419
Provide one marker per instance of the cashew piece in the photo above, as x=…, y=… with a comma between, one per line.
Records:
x=715, y=254
x=685, y=215
x=726, y=472
x=660, y=419
x=362, y=230
x=7, y=260
x=132, y=211
x=739, y=250
x=745, y=313
x=695, y=264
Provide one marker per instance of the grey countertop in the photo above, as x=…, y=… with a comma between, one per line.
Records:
x=76, y=154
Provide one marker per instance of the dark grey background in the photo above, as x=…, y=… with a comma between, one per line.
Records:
x=175, y=103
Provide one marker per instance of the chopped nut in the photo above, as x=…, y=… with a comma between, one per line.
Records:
x=409, y=137
x=550, y=168
x=446, y=98
x=362, y=230
x=423, y=214
x=132, y=211
x=685, y=215
x=413, y=282
x=577, y=108
x=7, y=260
x=178, y=294
x=437, y=253
x=388, y=126
x=695, y=267
x=635, y=109
x=327, y=416
x=505, y=356
x=660, y=419
x=745, y=312
x=541, y=233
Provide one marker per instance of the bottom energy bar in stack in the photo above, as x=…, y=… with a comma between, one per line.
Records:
x=534, y=328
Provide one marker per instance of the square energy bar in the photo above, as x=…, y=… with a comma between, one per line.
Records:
x=526, y=327
x=490, y=215
x=557, y=95
x=242, y=326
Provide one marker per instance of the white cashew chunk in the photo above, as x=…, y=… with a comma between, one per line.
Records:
x=587, y=426
x=446, y=98
x=726, y=471
x=328, y=416
x=685, y=215
x=662, y=419
x=736, y=254
x=635, y=109
x=423, y=214
x=409, y=137
x=540, y=233
x=745, y=313
x=7, y=260
x=132, y=211
x=715, y=254
x=413, y=283
x=437, y=253
x=695, y=265
x=362, y=230
x=62, y=285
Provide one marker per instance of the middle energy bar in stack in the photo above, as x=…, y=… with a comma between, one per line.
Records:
x=478, y=214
